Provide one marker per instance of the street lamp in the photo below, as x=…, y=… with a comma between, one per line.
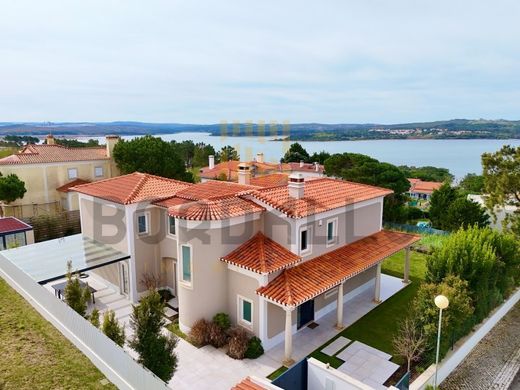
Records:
x=442, y=303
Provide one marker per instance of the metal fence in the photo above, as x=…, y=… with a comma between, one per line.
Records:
x=32, y=210
x=414, y=228
x=108, y=357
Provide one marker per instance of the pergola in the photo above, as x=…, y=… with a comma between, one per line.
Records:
x=305, y=281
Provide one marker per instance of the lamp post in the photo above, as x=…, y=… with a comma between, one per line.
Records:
x=442, y=303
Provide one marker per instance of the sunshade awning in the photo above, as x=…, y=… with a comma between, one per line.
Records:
x=47, y=261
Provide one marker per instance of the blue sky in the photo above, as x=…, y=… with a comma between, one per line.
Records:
x=301, y=61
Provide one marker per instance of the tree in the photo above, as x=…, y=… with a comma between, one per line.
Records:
x=296, y=153
x=427, y=173
x=156, y=351
x=150, y=155
x=228, y=153
x=440, y=200
x=502, y=182
x=464, y=212
x=112, y=329
x=202, y=153
x=76, y=296
x=94, y=317
x=11, y=188
x=364, y=169
x=74, y=143
x=410, y=342
x=472, y=183
x=319, y=157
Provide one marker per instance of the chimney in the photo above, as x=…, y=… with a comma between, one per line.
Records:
x=260, y=158
x=316, y=167
x=111, y=141
x=301, y=163
x=211, y=162
x=296, y=185
x=244, y=173
x=49, y=140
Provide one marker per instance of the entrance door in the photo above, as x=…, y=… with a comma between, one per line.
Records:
x=123, y=277
x=305, y=313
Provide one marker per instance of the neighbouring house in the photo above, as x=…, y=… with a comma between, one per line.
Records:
x=500, y=213
x=15, y=233
x=229, y=170
x=50, y=170
x=420, y=189
x=274, y=257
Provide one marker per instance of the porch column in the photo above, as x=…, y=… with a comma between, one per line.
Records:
x=406, y=276
x=288, y=338
x=377, y=289
x=339, y=324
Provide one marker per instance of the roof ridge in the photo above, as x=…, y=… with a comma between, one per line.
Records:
x=288, y=287
x=136, y=189
x=261, y=251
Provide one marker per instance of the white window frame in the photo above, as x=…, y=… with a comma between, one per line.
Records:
x=96, y=172
x=69, y=170
x=331, y=292
x=146, y=216
x=334, y=239
x=168, y=225
x=181, y=266
x=240, y=312
x=308, y=250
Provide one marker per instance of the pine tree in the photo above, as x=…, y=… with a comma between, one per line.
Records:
x=112, y=329
x=76, y=296
x=94, y=318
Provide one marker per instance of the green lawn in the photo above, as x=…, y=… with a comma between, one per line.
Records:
x=35, y=355
x=378, y=327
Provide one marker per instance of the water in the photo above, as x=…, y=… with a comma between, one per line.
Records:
x=459, y=156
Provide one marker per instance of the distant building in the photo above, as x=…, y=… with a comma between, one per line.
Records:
x=48, y=172
x=500, y=212
x=229, y=170
x=420, y=189
x=15, y=233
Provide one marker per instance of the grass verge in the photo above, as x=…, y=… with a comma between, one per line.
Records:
x=176, y=330
x=35, y=355
x=275, y=374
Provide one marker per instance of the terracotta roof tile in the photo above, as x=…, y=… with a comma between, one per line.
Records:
x=424, y=187
x=229, y=169
x=214, y=209
x=247, y=384
x=212, y=189
x=319, y=195
x=270, y=180
x=132, y=188
x=309, y=279
x=262, y=255
x=67, y=186
x=35, y=154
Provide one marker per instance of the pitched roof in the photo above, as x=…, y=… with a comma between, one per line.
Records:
x=12, y=224
x=309, y=279
x=247, y=384
x=307, y=167
x=132, y=188
x=67, y=186
x=270, y=180
x=425, y=187
x=262, y=255
x=213, y=209
x=212, y=189
x=319, y=195
x=35, y=154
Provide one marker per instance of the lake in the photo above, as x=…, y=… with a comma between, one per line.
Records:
x=459, y=156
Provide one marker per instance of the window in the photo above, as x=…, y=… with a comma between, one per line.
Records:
x=245, y=311
x=73, y=173
x=186, y=264
x=332, y=231
x=171, y=225
x=98, y=171
x=142, y=224
x=305, y=240
x=14, y=240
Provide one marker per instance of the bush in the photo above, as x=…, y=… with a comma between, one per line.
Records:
x=112, y=329
x=94, y=318
x=217, y=335
x=222, y=320
x=238, y=343
x=199, y=333
x=254, y=348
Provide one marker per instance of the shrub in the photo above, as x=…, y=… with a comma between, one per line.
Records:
x=112, y=329
x=94, y=318
x=238, y=343
x=217, y=335
x=199, y=333
x=254, y=348
x=222, y=320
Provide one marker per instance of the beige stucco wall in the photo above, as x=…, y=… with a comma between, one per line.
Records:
x=29, y=237
x=208, y=293
x=41, y=180
x=245, y=286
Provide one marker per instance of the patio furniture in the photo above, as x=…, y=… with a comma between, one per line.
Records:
x=59, y=288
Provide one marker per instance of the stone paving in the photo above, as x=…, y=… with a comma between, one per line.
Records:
x=494, y=362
